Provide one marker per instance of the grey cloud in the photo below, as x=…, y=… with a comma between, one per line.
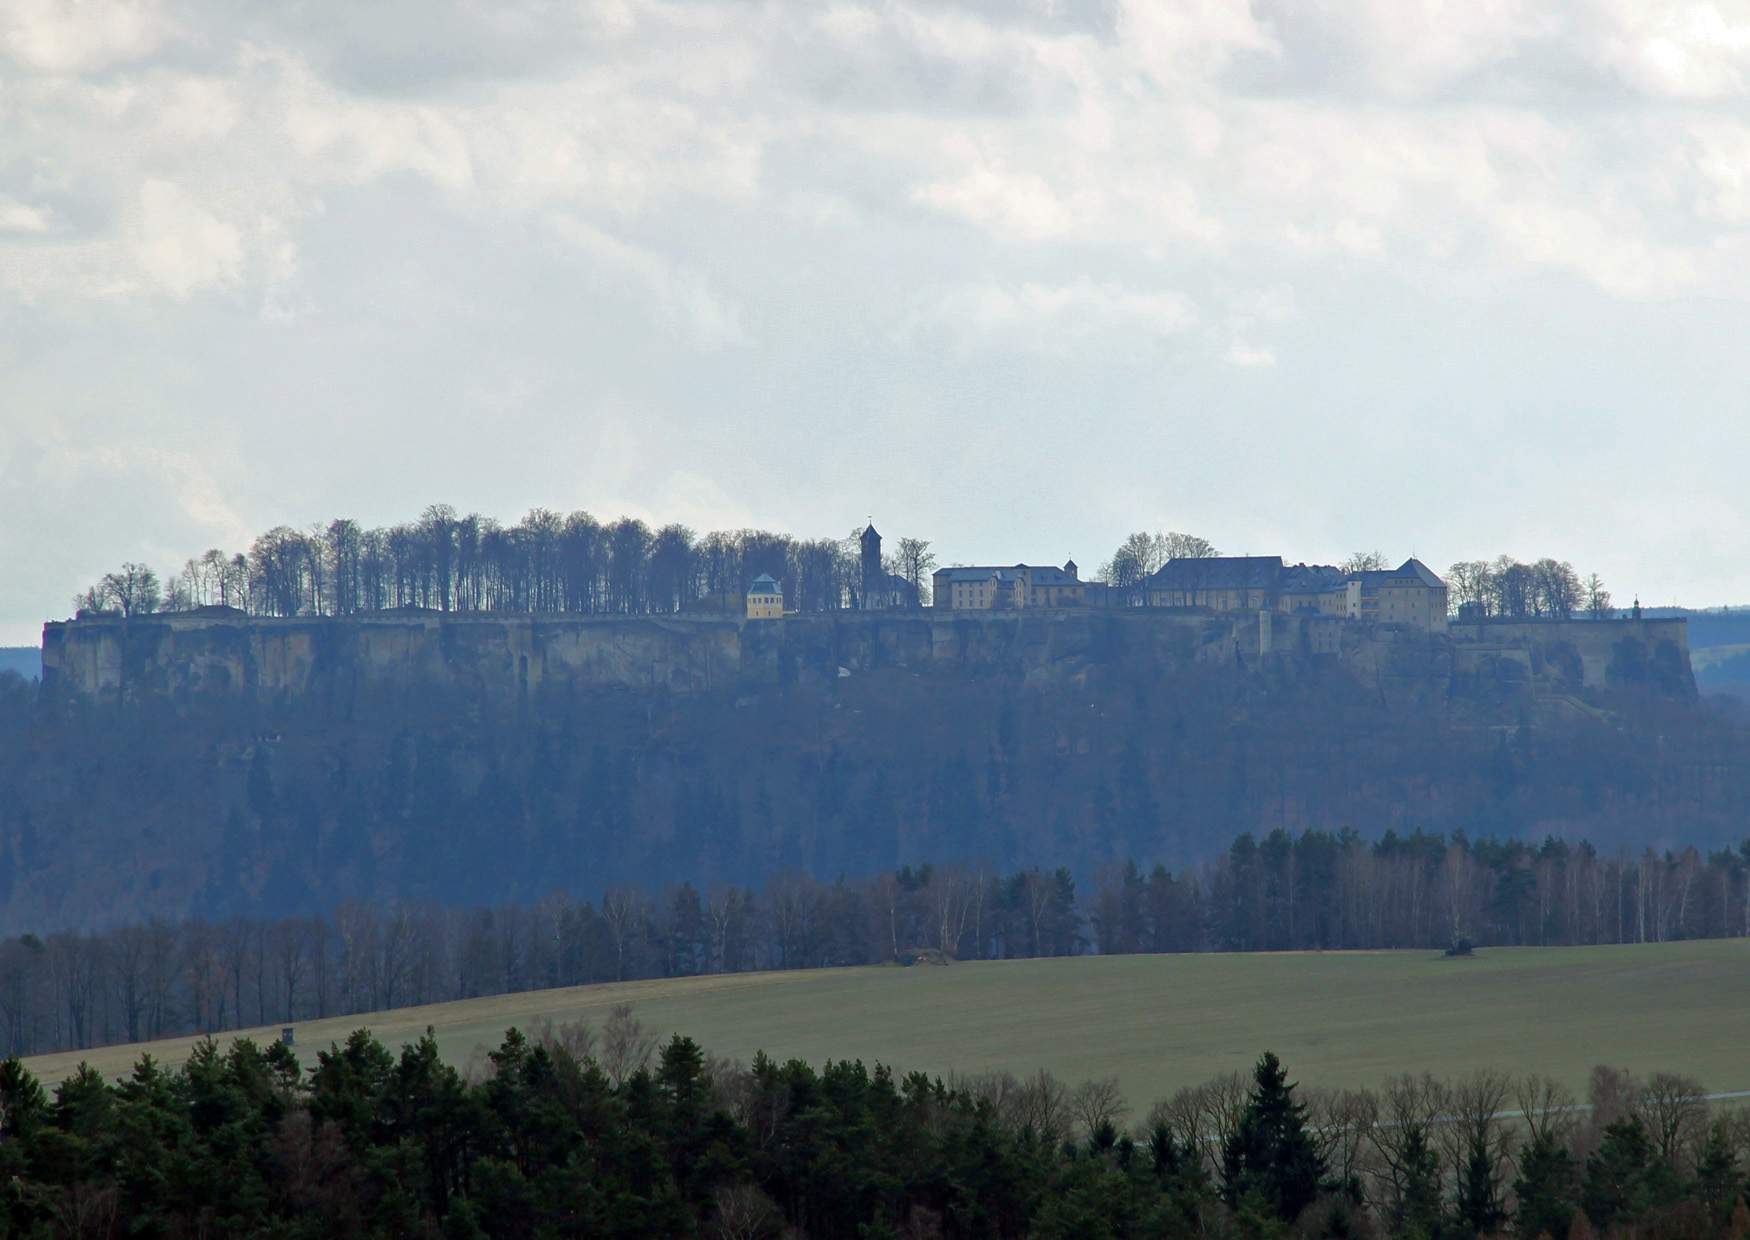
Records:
x=563, y=256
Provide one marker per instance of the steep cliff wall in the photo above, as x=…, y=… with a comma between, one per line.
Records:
x=218, y=764
x=1566, y=658
x=503, y=660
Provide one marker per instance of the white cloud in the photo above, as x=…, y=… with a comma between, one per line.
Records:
x=684, y=300
x=19, y=217
x=1681, y=51
x=1248, y=356
x=1193, y=39
x=745, y=222
x=1056, y=320
x=180, y=245
x=1020, y=205
x=1723, y=160
x=80, y=36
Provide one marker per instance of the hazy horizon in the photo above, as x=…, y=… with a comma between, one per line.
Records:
x=1017, y=278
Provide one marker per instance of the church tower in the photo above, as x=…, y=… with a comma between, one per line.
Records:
x=873, y=577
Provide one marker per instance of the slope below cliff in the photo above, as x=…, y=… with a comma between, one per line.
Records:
x=247, y=771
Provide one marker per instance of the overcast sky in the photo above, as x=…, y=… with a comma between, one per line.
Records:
x=1450, y=279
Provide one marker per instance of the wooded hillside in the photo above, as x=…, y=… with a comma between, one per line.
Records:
x=115, y=815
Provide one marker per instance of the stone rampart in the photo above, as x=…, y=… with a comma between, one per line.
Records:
x=1581, y=654
x=186, y=657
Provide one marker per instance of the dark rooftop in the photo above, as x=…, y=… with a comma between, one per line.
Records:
x=1218, y=572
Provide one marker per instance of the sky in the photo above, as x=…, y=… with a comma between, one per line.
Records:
x=1016, y=276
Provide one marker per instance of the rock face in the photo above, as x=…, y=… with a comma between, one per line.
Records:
x=504, y=659
x=220, y=765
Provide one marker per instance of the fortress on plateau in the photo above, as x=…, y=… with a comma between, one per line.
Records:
x=1388, y=628
x=216, y=654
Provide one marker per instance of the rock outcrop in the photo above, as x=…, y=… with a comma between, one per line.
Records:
x=504, y=660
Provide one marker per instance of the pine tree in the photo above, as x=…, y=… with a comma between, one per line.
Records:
x=1270, y=1153
x=1618, y=1175
x=1477, y=1202
x=1717, y=1180
x=23, y=1104
x=1418, y=1207
x=1545, y=1188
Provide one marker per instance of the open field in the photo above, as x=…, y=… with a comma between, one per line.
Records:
x=1159, y=1022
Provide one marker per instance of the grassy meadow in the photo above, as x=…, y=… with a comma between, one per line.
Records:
x=1159, y=1022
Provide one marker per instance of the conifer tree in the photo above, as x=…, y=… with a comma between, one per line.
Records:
x=1618, y=1185
x=1270, y=1154
x=1717, y=1180
x=1544, y=1188
x=1417, y=1215
x=1477, y=1203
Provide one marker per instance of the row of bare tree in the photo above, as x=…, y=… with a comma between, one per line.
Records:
x=162, y=979
x=1504, y=588
x=1325, y=890
x=1142, y=553
x=1316, y=890
x=545, y=563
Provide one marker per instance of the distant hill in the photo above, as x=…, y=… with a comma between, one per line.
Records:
x=27, y=661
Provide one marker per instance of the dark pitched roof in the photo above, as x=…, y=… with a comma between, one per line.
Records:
x=870, y=533
x=764, y=584
x=1413, y=567
x=1051, y=575
x=1221, y=572
x=1046, y=575
x=1409, y=568
x=890, y=582
x=1313, y=579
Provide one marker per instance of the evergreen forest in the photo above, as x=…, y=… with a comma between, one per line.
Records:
x=600, y=1133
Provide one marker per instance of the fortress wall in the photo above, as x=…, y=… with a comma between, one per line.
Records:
x=505, y=658
x=1584, y=653
x=184, y=656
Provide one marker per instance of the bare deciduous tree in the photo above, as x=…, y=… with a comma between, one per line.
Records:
x=743, y=1212
x=1409, y=1107
x=1176, y=546
x=626, y=1045
x=1545, y=1105
x=916, y=561
x=1340, y=1121
x=1674, y=1110
x=1042, y=1105
x=1471, y=1126
x=1093, y=1103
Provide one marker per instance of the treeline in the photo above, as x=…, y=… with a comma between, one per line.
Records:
x=544, y=563
x=1323, y=890
x=1547, y=589
x=1312, y=891
x=575, y=1133
x=551, y=563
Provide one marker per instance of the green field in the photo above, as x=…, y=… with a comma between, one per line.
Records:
x=1159, y=1022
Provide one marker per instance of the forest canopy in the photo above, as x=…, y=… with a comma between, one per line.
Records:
x=577, y=1131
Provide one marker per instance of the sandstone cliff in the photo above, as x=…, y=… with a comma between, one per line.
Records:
x=503, y=660
x=219, y=765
